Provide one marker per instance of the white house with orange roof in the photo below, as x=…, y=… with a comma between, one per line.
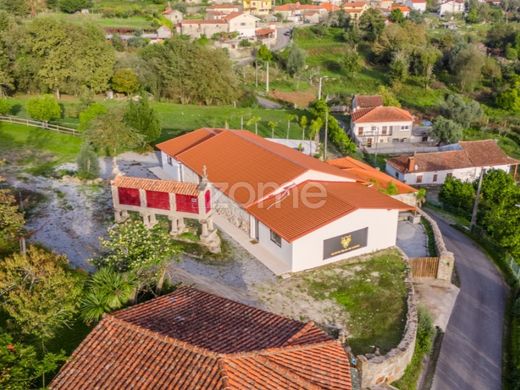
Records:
x=241, y=23
x=417, y=5
x=301, y=212
x=355, y=8
x=403, y=8
x=451, y=7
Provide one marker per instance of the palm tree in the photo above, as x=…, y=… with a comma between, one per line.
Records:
x=290, y=118
x=303, y=125
x=254, y=121
x=272, y=125
x=108, y=290
x=314, y=132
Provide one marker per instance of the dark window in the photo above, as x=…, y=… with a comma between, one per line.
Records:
x=397, y=175
x=448, y=175
x=276, y=239
x=418, y=179
x=360, y=131
x=169, y=159
x=434, y=177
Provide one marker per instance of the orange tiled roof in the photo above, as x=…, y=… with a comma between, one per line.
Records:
x=239, y=158
x=381, y=114
x=369, y=175
x=191, y=339
x=263, y=32
x=291, y=217
x=297, y=6
x=402, y=8
x=368, y=101
x=473, y=154
x=169, y=186
x=203, y=21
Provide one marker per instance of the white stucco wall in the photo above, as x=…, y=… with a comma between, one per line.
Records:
x=307, y=251
x=377, y=133
x=464, y=174
x=244, y=24
x=283, y=252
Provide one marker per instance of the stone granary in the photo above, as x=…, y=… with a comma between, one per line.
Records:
x=173, y=199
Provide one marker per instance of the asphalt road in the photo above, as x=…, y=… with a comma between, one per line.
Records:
x=282, y=40
x=471, y=352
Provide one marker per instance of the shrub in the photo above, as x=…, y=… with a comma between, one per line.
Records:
x=6, y=106
x=44, y=108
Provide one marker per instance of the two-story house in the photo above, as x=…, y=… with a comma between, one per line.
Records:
x=379, y=125
x=451, y=7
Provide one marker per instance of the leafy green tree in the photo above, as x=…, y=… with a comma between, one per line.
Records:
x=399, y=67
x=125, y=81
x=272, y=125
x=6, y=54
x=11, y=220
x=351, y=62
x=372, y=23
x=39, y=292
x=89, y=114
x=20, y=364
x=15, y=7
x=457, y=194
x=65, y=57
x=133, y=248
x=254, y=121
x=72, y=6
x=389, y=98
x=43, y=108
x=396, y=16
x=464, y=112
x=446, y=131
x=88, y=164
x=107, y=290
x=427, y=57
x=510, y=98
x=264, y=54
x=295, y=60
x=109, y=133
x=467, y=64
x=141, y=117
x=303, y=125
x=189, y=73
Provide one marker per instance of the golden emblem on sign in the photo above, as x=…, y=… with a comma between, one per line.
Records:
x=345, y=241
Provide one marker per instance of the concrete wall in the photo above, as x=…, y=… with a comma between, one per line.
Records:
x=283, y=252
x=380, y=370
x=382, y=232
x=244, y=24
x=196, y=30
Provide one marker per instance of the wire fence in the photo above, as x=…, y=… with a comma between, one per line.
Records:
x=39, y=124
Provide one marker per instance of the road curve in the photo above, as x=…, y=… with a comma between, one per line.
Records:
x=471, y=352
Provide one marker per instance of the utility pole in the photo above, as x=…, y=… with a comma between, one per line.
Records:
x=242, y=122
x=267, y=79
x=475, y=205
x=319, y=87
x=256, y=73
x=326, y=134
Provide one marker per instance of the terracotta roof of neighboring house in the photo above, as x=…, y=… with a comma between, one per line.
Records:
x=203, y=21
x=368, y=175
x=172, y=186
x=188, y=140
x=191, y=339
x=263, y=32
x=223, y=6
x=472, y=154
x=368, y=101
x=354, y=4
x=296, y=6
x=381, y=114
x=313, y=204
x=402, y=8
x=329, y=7
x=419, y=1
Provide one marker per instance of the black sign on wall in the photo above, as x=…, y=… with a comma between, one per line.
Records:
x=345, y=243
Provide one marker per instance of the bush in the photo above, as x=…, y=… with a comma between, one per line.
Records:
x=44, y=108
x=88, y=164
x=245, y=43
x=6, y=106
x=457, y=196
x=72, y=6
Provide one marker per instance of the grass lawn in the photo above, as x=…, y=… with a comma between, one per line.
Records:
x=135, y=22
x=373, y=293
x=58, y=147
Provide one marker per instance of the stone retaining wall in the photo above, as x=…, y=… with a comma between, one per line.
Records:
x=446, y=258
x=378, y=370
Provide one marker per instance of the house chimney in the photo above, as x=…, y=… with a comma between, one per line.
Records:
x=411, y=163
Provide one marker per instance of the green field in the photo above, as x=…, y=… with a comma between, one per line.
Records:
x=24, y=140
x=134, y=22
x=177, y=118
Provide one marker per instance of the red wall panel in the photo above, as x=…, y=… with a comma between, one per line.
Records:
x=158, y=200
x=207, y=201
x=129, y=196
x=187, y=203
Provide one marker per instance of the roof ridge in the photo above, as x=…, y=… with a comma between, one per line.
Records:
x=308, y=325
x=161, y=337
x=278, y=350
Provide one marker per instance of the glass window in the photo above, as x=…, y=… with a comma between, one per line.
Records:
x=418, y=179
x=169, y=159
x=360, y=130
x=434, y=177
x=276, y=238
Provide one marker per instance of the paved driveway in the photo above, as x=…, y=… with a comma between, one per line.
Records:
x=471, y=352
x=412, y=239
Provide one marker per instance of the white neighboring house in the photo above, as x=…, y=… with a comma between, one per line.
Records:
x=173, y=15
x=451, y=7
x=381, y=125
x=465, y=161
x=243, y=24
x=417, y=5
x=259, y=188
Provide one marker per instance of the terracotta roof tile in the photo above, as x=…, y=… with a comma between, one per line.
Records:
x=369, y=101
x=291, y=217
x=368, y=175
x=381, y=114
x=141, y=347
x=156, y=185
x=472, y=154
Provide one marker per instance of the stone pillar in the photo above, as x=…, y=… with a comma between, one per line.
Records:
x=115, y=196
x=174, y=226
x=149, y=219
x=121, y=215
x=181, y=225
x=211, y=227
x=142, y=197
x=205, y=230
x=446, y=264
